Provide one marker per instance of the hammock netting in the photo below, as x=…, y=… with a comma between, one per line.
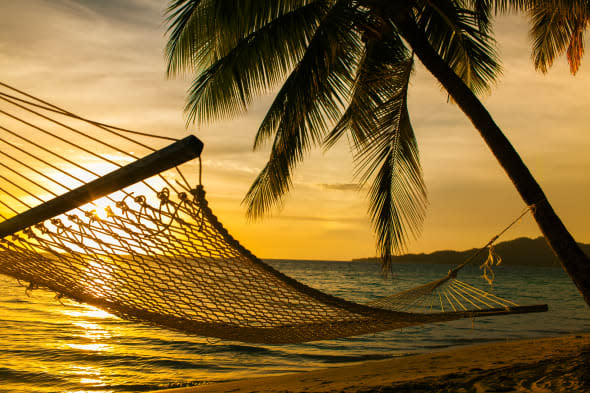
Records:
x=153, y=251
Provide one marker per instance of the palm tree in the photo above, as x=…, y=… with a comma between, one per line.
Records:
x=343, y=67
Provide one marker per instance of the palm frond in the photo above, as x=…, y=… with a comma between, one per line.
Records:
x=236, y=19
x=312, y=97
x=556, y=30
x=574, y=6
x=272, y=183
x=203, y=31
x=551, y=34
x=454, y=32
x=183, y=47
x=253, y=66
x=575, y=50
x=390, y=157
x=373, y=84
x=505, y=6
x=483, y=10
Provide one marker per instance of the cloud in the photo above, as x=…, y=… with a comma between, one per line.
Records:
x=340, y=186
x=342, y=219
x=234, y=167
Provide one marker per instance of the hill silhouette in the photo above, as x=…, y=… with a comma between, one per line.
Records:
x=522, y=251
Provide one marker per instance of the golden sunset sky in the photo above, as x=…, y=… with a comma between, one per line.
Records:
x=104, y=60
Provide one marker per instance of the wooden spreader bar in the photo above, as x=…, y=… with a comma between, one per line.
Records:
x=175, y=154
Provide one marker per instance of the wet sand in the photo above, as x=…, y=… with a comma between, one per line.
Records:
x=559, y=364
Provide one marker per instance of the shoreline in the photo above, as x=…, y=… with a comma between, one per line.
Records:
x=556, y=364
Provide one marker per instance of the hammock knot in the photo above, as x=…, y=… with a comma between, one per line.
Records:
x=59, y=297
x=109, y=211
x=199, y=192
x=29, y=233
x=31, y=287
x=140, y=199
x=94, y=217
x=121, y=205
x=42, y=228
x=164, y=196
x=75, y=219
x=58, y=223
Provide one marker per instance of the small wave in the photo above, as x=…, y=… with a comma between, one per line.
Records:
x=341, y=358
x=8, y=375
x=147, y=387
x=247, y=349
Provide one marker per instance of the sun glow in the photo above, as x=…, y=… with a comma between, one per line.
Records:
x=88, y=312
x=91, y=335
x=102, y=207
x=95, y=347
x=87, y=376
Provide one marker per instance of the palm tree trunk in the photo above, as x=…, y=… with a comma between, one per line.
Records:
x=571, y=257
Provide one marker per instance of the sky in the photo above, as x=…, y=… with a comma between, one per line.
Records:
x=104, y=60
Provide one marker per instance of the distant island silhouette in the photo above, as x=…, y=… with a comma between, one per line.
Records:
x=521, y=251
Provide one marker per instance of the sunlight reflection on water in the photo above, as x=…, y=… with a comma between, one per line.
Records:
x=90, y=347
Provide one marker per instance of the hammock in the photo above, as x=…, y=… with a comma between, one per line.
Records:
x=131, y=236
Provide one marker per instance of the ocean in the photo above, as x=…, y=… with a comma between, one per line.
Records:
x=52, y=346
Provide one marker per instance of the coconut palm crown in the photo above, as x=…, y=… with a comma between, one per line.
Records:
x=342, y=67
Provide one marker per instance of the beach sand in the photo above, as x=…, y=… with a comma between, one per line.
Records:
x=559, y=364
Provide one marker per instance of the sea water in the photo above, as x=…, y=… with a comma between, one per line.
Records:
x=47, y=346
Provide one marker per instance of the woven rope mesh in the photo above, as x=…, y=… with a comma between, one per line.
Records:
x=155, y=252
